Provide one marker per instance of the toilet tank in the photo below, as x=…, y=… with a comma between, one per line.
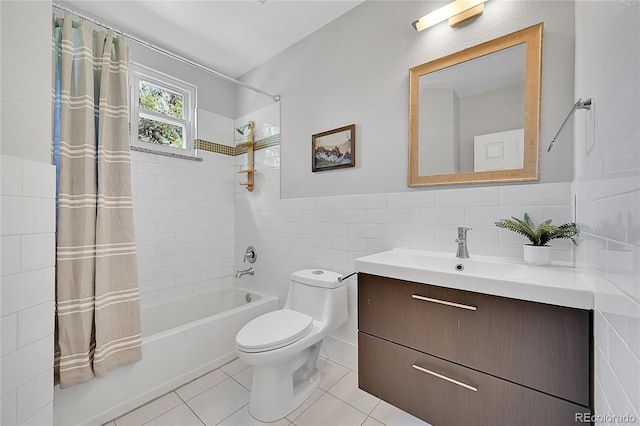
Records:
x=319, y=294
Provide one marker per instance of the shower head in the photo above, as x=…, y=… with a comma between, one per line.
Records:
x=242, y=129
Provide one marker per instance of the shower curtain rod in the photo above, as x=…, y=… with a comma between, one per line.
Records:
x=165, y=52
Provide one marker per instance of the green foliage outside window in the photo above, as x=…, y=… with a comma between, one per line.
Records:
x=160, y=133
x=163, y=101
x=158, y=99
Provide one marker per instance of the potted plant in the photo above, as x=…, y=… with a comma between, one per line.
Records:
x=538, y=252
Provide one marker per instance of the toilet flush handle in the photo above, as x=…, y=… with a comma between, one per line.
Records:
x=344, y=277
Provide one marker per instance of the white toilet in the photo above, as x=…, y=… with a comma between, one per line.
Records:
x=283, y=346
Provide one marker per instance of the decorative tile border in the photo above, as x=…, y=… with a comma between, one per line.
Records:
x=214, y=147
x=237, y=150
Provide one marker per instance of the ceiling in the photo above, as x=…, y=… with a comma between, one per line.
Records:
x=231, y=36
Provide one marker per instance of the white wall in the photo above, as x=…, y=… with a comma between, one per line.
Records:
x=355, y=70
x=439, y=132
x=27, y=214
x=607, y=188
x=26, y=77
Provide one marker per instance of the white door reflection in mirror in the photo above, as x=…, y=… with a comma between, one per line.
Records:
x=498, y=151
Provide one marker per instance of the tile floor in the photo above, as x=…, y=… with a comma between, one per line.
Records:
x=221, y=397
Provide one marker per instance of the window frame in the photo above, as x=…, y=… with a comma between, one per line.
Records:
x=139, y=72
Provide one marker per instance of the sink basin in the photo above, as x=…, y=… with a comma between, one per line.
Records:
x=554, y=284
x=441, y=262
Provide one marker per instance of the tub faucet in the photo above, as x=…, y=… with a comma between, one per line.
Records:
x=462, y=252
x=242, y=272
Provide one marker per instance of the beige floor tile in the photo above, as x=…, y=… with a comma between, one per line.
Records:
x=243, y=418
x=234, y=367
x=216, y=404
x=149, y=411
x=245, y=377
x=306, y=404
x=393, y=416
x=329, y=410
x=180, y=415
x=217, y=399
x=347, y=390
x=201, y=384
x=372, y=422
x=331, y=373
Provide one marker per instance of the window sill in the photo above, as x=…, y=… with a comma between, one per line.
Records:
x=165, y=154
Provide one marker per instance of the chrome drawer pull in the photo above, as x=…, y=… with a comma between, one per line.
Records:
x=444, y=302
x=448, y=379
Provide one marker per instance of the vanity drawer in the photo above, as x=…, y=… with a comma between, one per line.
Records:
x=541, y=346
x=443, y=393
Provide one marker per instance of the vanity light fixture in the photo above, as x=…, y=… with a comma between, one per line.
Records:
x=456, y=12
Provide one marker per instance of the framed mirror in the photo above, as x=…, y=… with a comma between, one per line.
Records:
x=474, y=116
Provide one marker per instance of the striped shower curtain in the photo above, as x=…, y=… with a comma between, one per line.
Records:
x=97, y=297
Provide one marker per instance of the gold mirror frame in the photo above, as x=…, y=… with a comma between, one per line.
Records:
x=532, y=36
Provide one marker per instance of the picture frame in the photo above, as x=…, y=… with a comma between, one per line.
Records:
x=334, y=149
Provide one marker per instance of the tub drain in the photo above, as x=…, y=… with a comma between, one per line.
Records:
x=247, y=297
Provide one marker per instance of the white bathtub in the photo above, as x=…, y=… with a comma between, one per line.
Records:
x=182, y=340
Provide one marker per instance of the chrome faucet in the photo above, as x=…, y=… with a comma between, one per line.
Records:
x=243, y=272
x=462, y=252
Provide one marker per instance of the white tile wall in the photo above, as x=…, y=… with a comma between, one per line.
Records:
x=183, y=214
x=607, y=191
x=215, y=128
x=27, y=274
x=266, y=119
x=614, y=261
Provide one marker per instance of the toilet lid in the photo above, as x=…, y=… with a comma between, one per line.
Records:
x=273, y=330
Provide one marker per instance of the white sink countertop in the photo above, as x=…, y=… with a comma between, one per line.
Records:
x=556, y=284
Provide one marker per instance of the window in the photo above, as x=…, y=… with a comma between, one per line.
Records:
x=162, y=111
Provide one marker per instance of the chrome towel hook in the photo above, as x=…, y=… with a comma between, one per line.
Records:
x=580, y=104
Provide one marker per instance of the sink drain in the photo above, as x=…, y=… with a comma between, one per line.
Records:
x=459, y=267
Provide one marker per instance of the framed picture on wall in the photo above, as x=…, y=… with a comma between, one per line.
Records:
x=334, y=149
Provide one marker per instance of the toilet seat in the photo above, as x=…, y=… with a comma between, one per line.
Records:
x=273, y=330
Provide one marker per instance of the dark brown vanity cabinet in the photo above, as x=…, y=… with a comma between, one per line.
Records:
x=453, y=357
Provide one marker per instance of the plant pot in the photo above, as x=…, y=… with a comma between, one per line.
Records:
x=537, y=255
